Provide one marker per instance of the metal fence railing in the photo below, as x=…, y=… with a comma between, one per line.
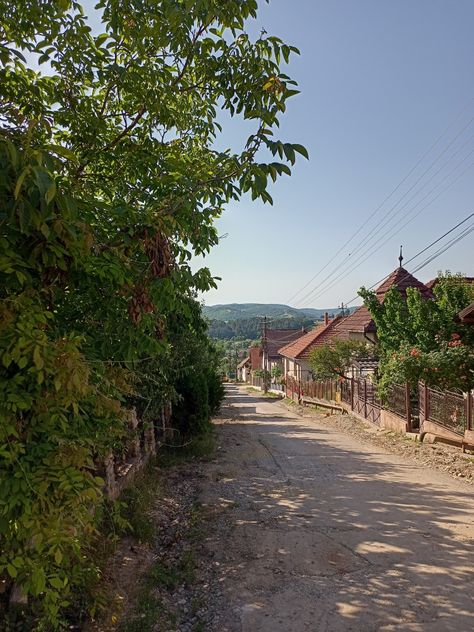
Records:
x=451, y=410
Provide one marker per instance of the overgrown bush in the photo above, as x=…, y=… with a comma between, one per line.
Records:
x=109, y=182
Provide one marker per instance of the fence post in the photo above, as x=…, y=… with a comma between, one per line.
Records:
x=423, y=394
x=469, y=410
x=427, y=402
x=408, y=406
x=352, y=393
x=365, y=399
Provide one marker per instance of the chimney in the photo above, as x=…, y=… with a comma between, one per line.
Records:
x=326, y=318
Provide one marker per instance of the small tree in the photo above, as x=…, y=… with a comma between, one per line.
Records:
x=422, y=339
x=334, y=360
x=276, y=373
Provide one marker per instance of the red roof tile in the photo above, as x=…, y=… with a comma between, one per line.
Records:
x=359, y=321
x=316, y=337
x=402, y=280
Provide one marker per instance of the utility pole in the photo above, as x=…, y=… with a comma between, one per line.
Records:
x=264, y=353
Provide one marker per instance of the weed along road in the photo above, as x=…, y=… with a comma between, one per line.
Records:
x=316, y=530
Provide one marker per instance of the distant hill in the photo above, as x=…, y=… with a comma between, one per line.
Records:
x=239, y=321
x=243, y=311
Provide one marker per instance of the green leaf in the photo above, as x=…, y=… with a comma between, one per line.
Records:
x=301, y=150
x=56, y=583
x=12, y=571
x=100, y=39
x=63, y=151
x=19, y=182
x=50, y=193
x=37, y=359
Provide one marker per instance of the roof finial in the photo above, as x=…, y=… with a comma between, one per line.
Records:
x=400, y=258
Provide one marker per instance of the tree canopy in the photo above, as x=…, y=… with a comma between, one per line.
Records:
x=423, y=339
x=113, y=174
x=333, y=360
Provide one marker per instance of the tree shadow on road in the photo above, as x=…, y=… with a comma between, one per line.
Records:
x=318, y=532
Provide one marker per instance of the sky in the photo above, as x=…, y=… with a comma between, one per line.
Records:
x=387, y=92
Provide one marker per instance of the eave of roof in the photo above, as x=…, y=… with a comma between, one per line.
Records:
x=243, y=363
x=466, y=315
x=316, y=337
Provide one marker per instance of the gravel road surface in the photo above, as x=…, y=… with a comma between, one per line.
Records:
x=312, y=529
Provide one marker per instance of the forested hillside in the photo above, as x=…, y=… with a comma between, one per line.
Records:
x=243, y=311
x=244, y=320
x=252, y=327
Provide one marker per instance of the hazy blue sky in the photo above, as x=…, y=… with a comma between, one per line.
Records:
x=380, y=81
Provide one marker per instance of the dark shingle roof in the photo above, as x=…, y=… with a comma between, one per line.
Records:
x=278, y=338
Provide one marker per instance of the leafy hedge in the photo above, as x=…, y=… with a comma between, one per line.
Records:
x=110, y=181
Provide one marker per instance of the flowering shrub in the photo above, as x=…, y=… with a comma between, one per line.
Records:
x=450, y=367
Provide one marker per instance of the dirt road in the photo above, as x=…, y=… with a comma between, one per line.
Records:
x=313, y=530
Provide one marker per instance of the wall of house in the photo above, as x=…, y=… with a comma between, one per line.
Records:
x=359, y=337
x=297, y=369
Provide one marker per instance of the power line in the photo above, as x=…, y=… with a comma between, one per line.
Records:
x=448, y=232
x=411, y=171
x=442, y=250
x=370, y=251
x=410, y=210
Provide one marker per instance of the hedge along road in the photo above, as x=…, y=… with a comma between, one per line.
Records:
x=313, y=530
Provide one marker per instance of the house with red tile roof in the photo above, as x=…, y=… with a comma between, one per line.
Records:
x=252, y=362
x=296, y=354
x=357, y=326
x=360, y=326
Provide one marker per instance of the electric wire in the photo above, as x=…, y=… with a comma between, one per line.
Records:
x=410, y=210
x=411, y=171
x=375, y=247
x=457, y=238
